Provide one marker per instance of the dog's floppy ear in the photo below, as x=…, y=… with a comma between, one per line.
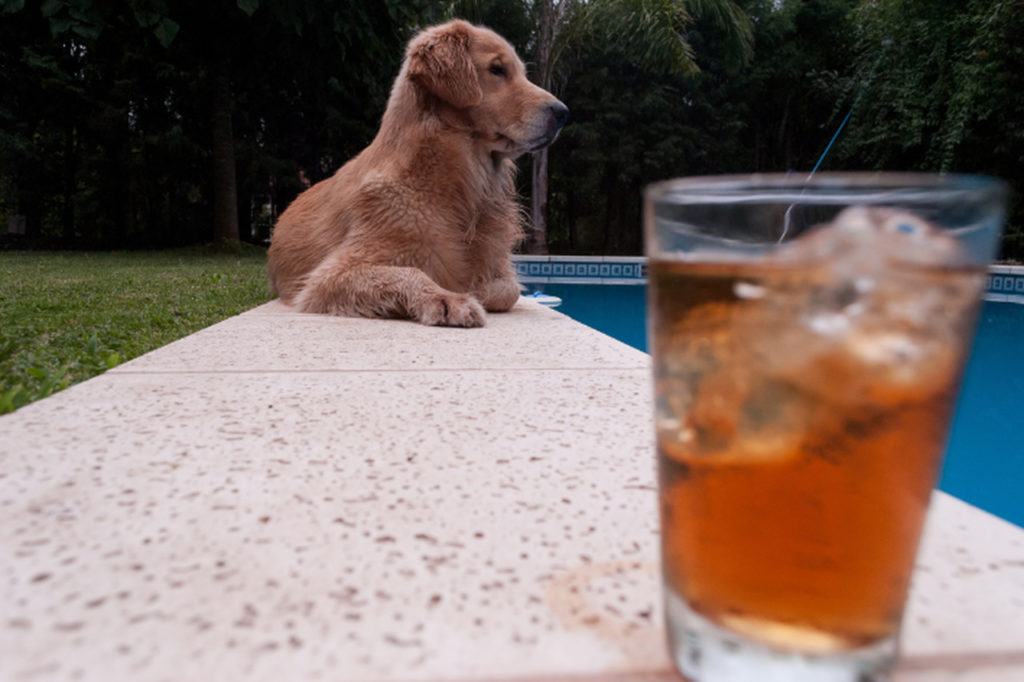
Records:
x=439, y=61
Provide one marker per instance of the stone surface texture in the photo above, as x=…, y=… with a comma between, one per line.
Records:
x=297, y=497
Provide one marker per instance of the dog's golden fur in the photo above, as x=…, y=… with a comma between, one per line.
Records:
x=421, y=224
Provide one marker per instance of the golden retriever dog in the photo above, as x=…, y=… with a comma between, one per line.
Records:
x=421, y=224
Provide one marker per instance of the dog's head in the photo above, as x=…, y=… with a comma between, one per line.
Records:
x=475, y=71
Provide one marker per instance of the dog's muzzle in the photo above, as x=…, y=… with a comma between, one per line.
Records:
x=557, y=114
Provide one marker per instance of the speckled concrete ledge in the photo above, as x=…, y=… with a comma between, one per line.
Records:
x=294, y=497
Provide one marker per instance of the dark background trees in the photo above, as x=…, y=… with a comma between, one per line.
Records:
x=123, y=122
x=126, y=118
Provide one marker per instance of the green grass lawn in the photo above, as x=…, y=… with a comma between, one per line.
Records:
x=65, y=317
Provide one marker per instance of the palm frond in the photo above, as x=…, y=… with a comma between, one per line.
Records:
x=730, y=18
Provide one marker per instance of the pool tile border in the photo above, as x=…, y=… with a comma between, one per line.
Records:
x=1005, y=282
x=581, y=269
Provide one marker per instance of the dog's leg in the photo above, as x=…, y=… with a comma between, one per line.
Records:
x=498, y=295
x=340, y=287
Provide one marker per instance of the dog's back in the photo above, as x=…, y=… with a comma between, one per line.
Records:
x=311, y=226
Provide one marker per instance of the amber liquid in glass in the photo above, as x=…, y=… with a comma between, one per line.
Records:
x=798, y=450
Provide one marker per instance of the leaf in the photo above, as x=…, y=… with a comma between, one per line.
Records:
x=87, y=31
x=248, y=6
x=60, y=25
x=51, y=7
x=166, y=31
x=146, y=17
x=13, y=399
x=11, y=6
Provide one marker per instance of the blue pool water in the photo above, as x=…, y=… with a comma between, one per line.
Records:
x=985, y=460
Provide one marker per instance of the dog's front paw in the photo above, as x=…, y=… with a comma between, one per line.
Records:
x=452, y=310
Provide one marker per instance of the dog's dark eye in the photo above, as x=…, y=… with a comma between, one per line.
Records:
x=498, y=70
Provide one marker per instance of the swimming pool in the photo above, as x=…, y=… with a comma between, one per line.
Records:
x=985, y=459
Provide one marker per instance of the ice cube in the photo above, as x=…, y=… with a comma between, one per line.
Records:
x=902, y=368
x=748, y=290
x=885, y=270
x=883, y=318
x=884, y=348
x=869, y=237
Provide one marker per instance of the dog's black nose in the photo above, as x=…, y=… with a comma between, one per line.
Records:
x=560, y=113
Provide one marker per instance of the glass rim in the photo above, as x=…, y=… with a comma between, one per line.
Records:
x=826, y=188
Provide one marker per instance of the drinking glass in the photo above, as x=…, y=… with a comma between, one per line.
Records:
x=808, y=340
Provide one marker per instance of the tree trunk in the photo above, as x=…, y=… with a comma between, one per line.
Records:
x=607, y=185
x=783, y=144
x=68, y=208
x=537, y=239
x=225, y=191
x=757, y=147
x=570, y=217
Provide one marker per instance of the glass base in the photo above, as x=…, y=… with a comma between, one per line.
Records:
x=705, y=652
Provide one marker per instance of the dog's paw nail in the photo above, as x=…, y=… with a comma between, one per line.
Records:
x=453, y=310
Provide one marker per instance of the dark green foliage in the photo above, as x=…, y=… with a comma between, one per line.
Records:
x=933, y=86
x=106, y=132
x=946, y=92
x=106, y=122
x=634, y=123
